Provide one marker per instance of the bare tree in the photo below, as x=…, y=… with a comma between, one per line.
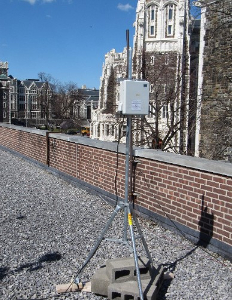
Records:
x=161, y=128
x=68, y=100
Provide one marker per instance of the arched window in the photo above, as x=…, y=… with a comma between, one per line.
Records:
x=170, y=16
x=152, y=20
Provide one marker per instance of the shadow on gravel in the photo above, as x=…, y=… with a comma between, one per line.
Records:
x=47, y=258
x=3, y=272
x=205, y=223
x=171, y=267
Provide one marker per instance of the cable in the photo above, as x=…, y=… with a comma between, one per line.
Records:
x=117, y=160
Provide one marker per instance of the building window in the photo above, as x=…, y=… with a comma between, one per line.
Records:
x=21, y=106
x=170, y=20
x=165, y=112
x=107, y=131
x=151, y=87
x=124, y=128
x=170, y=12
x=33, y=115
x=4, y=95
x=152, y=20
x=33, y=91
x=151, y=111
x=152, y=15
x=152, y=30
x=34, y=104
x=152, y=60
x=4, y=115
x=21, y=90
x=21, y=98
x=4, y=104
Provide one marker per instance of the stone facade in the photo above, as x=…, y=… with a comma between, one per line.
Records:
x=160, y=56
x=4, y=92
x=215, y=102
x=104, y=125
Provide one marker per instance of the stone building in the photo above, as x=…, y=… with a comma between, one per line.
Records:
x=160, y=56
x=105, y=126
x=214, y=114
x=34, y=101
x=89, y=103
x=4, y=92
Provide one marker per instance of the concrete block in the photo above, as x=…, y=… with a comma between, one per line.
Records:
x=123, y=269
x=100, y=282
x=118, y=279
x=129, y=290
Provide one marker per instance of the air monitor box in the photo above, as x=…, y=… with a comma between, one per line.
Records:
x=134, y=97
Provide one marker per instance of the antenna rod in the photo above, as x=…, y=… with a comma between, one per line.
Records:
x=128, y=55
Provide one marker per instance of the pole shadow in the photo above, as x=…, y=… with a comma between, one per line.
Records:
x=3, y=272
x=206, y=224
x=33, y=266
x=47, y=258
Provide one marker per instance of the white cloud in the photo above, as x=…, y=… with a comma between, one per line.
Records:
x=48, y=1
x=32, y=2
x=125, y=7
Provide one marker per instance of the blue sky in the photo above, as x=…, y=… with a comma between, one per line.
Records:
x=67, y=39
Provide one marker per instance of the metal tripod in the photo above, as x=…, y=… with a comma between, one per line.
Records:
x=129, y=216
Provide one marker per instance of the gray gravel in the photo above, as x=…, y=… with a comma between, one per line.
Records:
x=47, y=227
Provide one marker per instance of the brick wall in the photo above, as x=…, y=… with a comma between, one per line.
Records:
x=194, y=193
x=30, y=143
x=199, y=200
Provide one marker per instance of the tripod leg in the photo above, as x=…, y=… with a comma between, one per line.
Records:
x=135, y=254
x=141, y=235
x=92, y=252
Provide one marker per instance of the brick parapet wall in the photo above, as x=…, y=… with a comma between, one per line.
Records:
x=31, y=143
x=193, y=192
x=196, y=199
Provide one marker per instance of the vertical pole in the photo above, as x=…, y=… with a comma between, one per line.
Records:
x=135, y=254
x=127, y=166
x=48, y=148
x=128, y=219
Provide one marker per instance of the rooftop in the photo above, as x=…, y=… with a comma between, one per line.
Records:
x=49, y=224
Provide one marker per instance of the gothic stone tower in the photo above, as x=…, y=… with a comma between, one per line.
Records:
x=160, y=55
x=214, y=130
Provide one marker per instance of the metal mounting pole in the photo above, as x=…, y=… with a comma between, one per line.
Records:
x=128, y=216
x=126, y=205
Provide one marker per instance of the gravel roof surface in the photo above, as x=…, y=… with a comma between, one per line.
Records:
x=48, y=226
